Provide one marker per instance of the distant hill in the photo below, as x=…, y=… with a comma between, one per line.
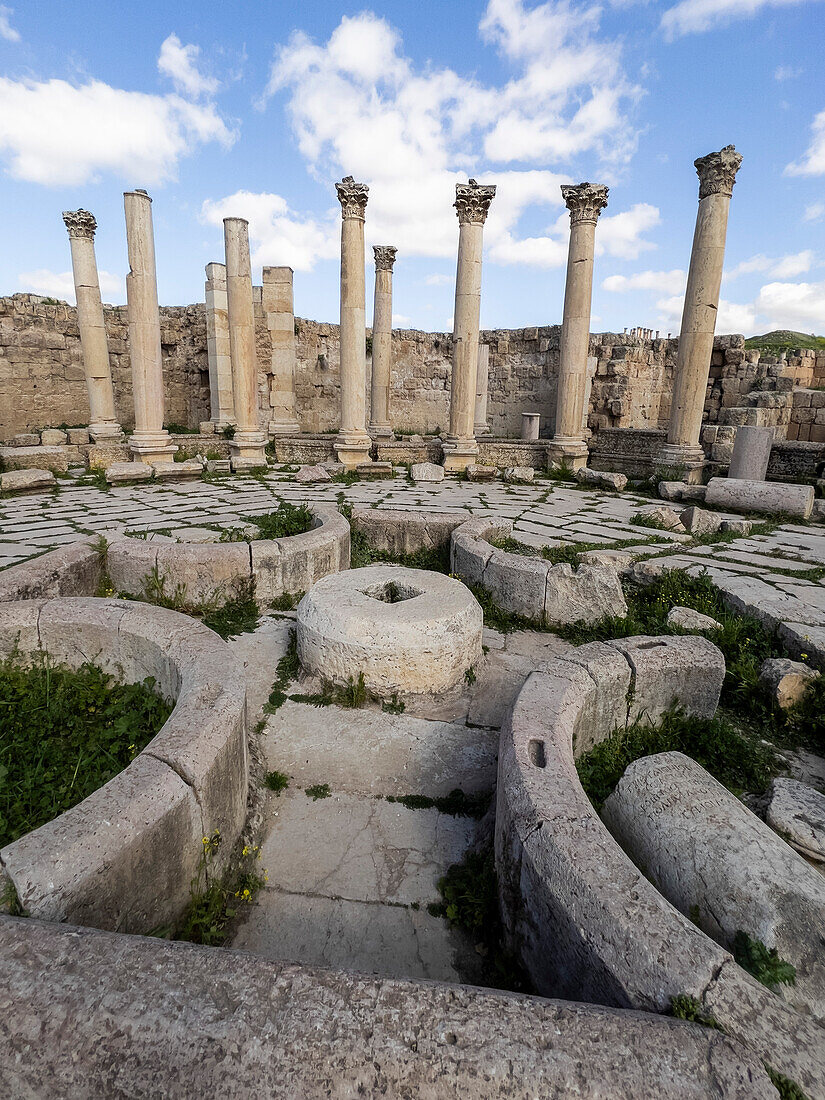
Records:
x=784, y=340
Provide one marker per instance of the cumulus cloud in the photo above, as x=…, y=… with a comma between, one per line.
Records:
x=179, y=63
x=60, y=284
x=438, y=280
x=814, y=212
x=731, y=317
x=695, y=16
x=798, y=306
x=784, y=267
x=663, y=282
x=813, y=160
x=7, y=31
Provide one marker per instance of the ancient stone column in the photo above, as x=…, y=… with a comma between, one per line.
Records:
x=149, y=442
x=480, y=426
x=247, y=445
x=380, y=427
x=221, y=401
x=353, y=443
x=472, y=202
x=103, y=423
x=277, y=300
x=585, y=202
x=717, y=174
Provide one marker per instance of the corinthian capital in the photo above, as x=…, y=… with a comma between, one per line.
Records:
x=80, y=223
x=717, y=172
x=384, y=256
x=352, y=197
x=585, y=201
x=472, y=201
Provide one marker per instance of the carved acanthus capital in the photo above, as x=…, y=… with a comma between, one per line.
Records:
x=585, y=201
x=352, y=197
x=80, y=223
x=472, y=201
x=717, y=172
x=384, y=256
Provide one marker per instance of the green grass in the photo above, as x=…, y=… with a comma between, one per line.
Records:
x=787, y=1089
x=318, y=790
x=685, y=1007
x=276, y=781
x=456, y=803
x=762, y=962
x=236, y=614
x=785, y=340
x=288, y=519
x=63, y=734
x=286, y=671
x=239, y=615
x=436, y=559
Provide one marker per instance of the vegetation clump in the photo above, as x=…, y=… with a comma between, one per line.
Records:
x=762, y=962
x=238, y=614
x=456, y=803
x=287, y=519
x=276, y=781
x=286, y=671
x=318, y=790
x=685, y=1007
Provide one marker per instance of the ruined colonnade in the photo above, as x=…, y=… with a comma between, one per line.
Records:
x=380, y=426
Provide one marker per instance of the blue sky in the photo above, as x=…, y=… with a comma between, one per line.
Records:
x=255, y=109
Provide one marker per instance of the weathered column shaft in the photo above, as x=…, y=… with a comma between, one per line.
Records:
x=481, y=427
x=247, y=445
x=277, y=299
x=90, y=320
x=222, y=402
x=717, y=175
x=472, y=204
x=353, y=443
x=585, y=202
x=149, y=441
x=382, y=342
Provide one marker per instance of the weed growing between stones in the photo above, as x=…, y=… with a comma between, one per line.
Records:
x=685, y=1007
x=287, y=519
x=456, y=803
x=345, y=477
x=568, y=552
x=287, y=601
x=236, y=615
x=762, y=962
x=276, y=781
x=352, y=696
x=63, y=734
x=239, y=615
x=318, y=790
x=393, y=705
x=436, y=559
x=285, y=672
x=787, y=1089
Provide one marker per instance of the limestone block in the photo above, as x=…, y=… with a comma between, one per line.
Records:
x=78, y=436
x=102, y=455
x=218, y=466
x=130, y=563
x=469, y=549
x=686, y=671
x=308, y=475
x=372, y=471
x=751, y=453
x=72, y=570
x=171, y=471
x=426, y=472
x=25, y=439
x=476, y=472
x=586, y=594
x=22, y=481
x=53, y=437
x=797, y=812
x=698, y=521
x=519, y=475
x=39, y=458
x=611, y=559
x=671, y=490
x=206, y=427
x=786, y=681
x=706, y=852
x=203, y=574
x=661, y=518
x=761, y=496
x=128, y=471
x=687, y=619
x=517, y=583
x=74, y=631
x=601, y=479
x=18, y=627
x=398, y=531
x=737, y=526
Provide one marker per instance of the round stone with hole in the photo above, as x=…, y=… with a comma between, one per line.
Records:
x=405, y=630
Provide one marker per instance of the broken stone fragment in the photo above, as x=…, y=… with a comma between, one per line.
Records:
x=786, y=680
x=601, y=479
x=687, y=619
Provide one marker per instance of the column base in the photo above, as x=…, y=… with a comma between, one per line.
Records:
x=105, y=433
x=686, y=462
x=568, y=452
x=459, y=454
x=247, y=451
x=222, y=422
x=481, y=429
x=284, y=428
x=353, y=449
x=381, y=431
x=152, y=447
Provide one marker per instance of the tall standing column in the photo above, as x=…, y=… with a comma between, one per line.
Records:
x=481, y=427
x=353, y=443
x=222, y=403
x=472, y=202
x=277, y=299
x=247, y=446
x=585, y=201
x=380, y=426
x=103, y=423
x=149, y=442
x=717, y=175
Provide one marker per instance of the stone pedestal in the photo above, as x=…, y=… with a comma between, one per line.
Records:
x=103, y=424
x=221, y=400
x=149, y=442
x=717, y=174
x=585, y=202
x=530, y=423
x=472, y=202
x=380, y=427
x=277, y=300
x=751, y=453
x=247, y=447
x=481, y=427
x=353, y=443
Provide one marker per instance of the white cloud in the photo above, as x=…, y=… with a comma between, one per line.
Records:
x=784, y=267
x=438, y=280
x=799, y=306
x=787, y=72
x=277, y=235
x=663, y=282
x=60, y=284
x=7, y=31
x=179, y=63
x=814, y=212
x=695, y=16
x=813, y=161
x=59, y=134
x=731, y=316
x=622, y=234
x=400, y=320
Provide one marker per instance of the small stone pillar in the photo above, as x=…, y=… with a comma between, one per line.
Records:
x=247, y=447
x=481, y=427
x=585, y=202
x=472, y=203
x=530, y=426
x=353, y=443
x=149, y=442
x=717, y=174
x=103, y=423
x=277, y=301
x=380, y=427
x=221, y=401
x=751, y=453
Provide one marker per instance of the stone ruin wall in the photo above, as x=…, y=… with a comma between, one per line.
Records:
x=42, y=382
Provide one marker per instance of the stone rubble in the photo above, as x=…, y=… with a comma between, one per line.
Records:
x=786, y=681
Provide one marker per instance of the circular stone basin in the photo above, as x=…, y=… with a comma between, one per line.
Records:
x=406, y=630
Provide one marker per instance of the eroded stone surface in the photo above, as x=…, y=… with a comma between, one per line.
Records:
x=688, y=619
x=797, y=812
x=786, y=680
